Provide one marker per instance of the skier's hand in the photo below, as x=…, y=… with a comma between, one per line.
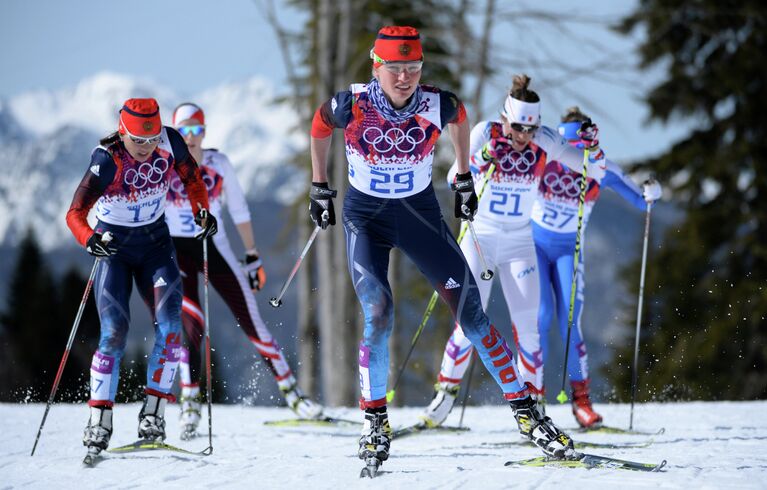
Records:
x=589, y=133
x=207, y=222
x=321, y=205
x=466, y=201
x=100, y=245
x=495, y=148
x=652, y=190
x=254, y=269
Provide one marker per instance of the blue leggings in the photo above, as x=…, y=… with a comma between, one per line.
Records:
x=555, y=263
x=413, y=224
x=144, y=254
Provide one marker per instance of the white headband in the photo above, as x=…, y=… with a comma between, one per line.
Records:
x=517, y=111
x=188, y=111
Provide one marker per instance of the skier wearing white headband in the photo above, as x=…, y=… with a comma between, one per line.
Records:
x=517, y=147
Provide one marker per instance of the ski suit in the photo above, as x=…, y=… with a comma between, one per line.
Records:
x=502, y=226
x=129, y=198
x=555, y=223
x=391, y=203
x=225, y=272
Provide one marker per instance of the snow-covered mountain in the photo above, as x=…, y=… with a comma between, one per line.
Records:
x=46, y=138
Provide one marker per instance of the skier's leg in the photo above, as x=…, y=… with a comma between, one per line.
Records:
x=546, y=307
x=227, y=278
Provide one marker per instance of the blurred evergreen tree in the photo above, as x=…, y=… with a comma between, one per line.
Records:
x=705, y=334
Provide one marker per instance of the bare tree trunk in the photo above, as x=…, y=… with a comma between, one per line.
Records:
x=482, y=70
x=307, y=326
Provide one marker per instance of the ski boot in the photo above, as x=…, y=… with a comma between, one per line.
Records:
x=375, y=440
x=441, y=405
x=97, y=433
x=541, y=430
x=582, y=410
x=151, y=419
x=304, y=407
x=191, y=402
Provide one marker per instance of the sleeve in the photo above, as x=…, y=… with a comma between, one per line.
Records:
x=188, y=171
x=236, y=203
x=557, y=148
x=623, y=185
x=335, y=113
x=451, y=109
x=100, y=174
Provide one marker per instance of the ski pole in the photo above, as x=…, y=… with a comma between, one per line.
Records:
x=206, y=313
x=106, y=238
x=277, y=302
x=562, y=397
x=434, y=297
x=486, y=273
x=639, y=313
x=468, y=388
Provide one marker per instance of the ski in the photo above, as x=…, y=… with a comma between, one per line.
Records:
x=604, y=429
x=589, y=461
x=421, y=427
x=578, y=444
x=371, y=467
x=325, y=421
x=150, y=445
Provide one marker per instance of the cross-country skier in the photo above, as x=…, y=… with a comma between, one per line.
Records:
x=554, y=229
x=127, y=181
x=518, y=149
x=233, y=282
x=390, y=127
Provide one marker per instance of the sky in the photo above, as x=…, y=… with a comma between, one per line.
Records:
x=194, y=45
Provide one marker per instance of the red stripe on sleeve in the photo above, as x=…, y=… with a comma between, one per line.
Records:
x=320, y=128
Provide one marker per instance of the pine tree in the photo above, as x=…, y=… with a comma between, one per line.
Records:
x=706, y=294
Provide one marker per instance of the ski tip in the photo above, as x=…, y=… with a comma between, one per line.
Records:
x=660, y=466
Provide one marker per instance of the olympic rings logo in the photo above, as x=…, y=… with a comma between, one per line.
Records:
x=177, y=187
x=520, y=162
x=404, y=142
x=562, y=184
x=147, y=173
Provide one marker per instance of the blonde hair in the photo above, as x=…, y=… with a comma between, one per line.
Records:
x=520, y=91
x=574, y=114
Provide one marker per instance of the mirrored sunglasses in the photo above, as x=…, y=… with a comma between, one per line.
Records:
x=523, y=128
x=195, y=130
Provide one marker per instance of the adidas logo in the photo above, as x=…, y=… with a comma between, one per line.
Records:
x=160, y=282
x=451, y=284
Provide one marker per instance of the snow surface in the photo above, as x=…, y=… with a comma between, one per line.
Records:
x=707, y=445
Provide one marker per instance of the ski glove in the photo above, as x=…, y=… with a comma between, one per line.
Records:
x=100, y=245
x=589, y=133
x=207, y=222
x=321, y=205
x=652, y=190
x=254, y=269
x=495, y=149
x=466, y=201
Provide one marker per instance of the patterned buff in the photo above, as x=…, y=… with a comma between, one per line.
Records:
x=384, y=107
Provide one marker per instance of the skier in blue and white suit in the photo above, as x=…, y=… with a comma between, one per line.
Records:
x=390, y=126
x=555, y=226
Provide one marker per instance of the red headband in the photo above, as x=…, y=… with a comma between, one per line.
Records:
x=398, y=43
x=140, y=117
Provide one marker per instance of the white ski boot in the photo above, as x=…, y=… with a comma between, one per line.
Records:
x=375, y=440
x=541, y=430
x=441, y=405
x=191, y=403
x=151, y=419
x=303, y=406
x=99, y=429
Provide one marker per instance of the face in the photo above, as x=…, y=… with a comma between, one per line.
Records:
x=519, y=139
x=140, y=152
x=193, y=133
x=398, y=81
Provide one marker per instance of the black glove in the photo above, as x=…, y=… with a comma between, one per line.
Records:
x=100, y=245
x=589, y=133
x=466, y=201
x=207, y=222
x=254, y=268
x=321, y=205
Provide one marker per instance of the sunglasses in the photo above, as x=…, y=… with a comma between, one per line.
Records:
x=195, y=130
x=140, y=140
x=397, y=67
x=523, y=128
